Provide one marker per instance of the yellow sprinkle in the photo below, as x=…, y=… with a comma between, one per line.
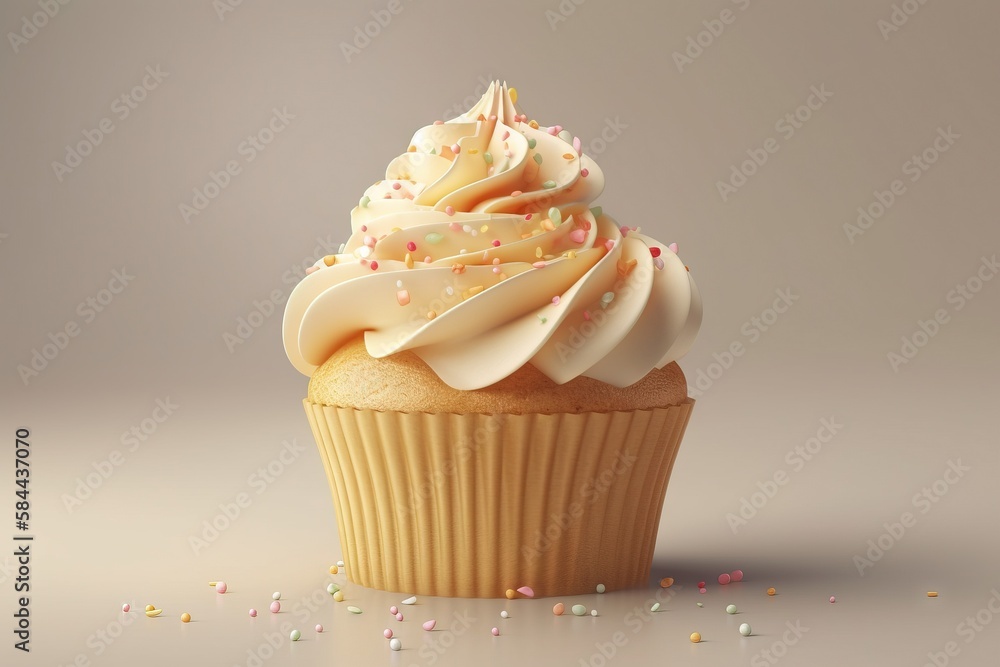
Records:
x=334, y=569
x=338, y=596
x=533, y=124
x=695, y=637
x=185, y=617
x=502, y=276
x=547, y=225
x=932, y=594
x=571, y=254
x=396, y=229
x=408, y=261
x=484, y=228
x=538, y=252
x=329, y=260
x=431, y=314
x=472, y=291
x=411, y=149
x=526, y=236
x=510, y=593
x=513, y=95
x=473, y=151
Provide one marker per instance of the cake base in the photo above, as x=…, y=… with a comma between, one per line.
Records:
x=471, y=505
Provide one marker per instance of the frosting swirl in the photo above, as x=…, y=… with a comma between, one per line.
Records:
x=480, y=252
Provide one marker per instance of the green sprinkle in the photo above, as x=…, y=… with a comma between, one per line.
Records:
x=538, y=158
x=434, y=238
x=596, y=211
x=579, y=609
x=655, y=607
x=600, y=588
x=549, y=184
x=731, y=609
x=434, y=151
x=555, y=215
x=332, y=588
x=364, y=201
x=488, y=157
x=607, y=298
x=543, y=319
x=566, y=136
x=531, y=143
x=700, y=604
x=354, y=610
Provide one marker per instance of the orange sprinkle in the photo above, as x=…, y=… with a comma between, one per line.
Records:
x=666, y=582
x=472, y=291
x=431, y=314
x=510, y=594
x=458, y=268
x=330, y=260
x=547, y=225
x=771, y=591
x=568, y=156
x=932, y=594
x=411, y=149
x=533, y=124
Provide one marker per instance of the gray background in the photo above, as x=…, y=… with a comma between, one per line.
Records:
x=680, y=130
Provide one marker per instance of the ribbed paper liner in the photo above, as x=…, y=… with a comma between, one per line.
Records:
x=472, y=505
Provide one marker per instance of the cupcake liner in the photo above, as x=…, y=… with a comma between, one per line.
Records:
x=471, y=505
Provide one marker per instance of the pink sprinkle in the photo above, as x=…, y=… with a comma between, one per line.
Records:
x=364, y=228
x=658, y=263
x=496, y=270
x=508, y=153
x=396, y=185
x=586, y=315
x=552, y=130
x=496, y=632
x=496, y=243
x=393, y=610
x=702, y=590
x=576, y=145
x=526, y=591
x=493, y=116
x=403, y=298
x=439, y=122
x=539, y=265
x=737, y=575
x=253, y=613
x=399, y=616
x=559, y=128
x=527, y=217
x=319, y=628
x=585, y=173
x=578, y=236
x=456, y=149
x=555, y=301
x=832, y=599
x=312, y=269
x=429, y=625
x=275, y=607
x=126, y=607
x=427, y=259
x=387, y=633
x=496, y=260
x=506, y=135
x=449, y=210
x=374, y=265
x=724, y=579
x=624, y=230
x=411, y=246
x=673, y=248
x=516, y=193
x=609, y=244
x=369, y=241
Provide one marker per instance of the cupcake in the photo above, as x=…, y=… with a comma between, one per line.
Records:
x=491, y=359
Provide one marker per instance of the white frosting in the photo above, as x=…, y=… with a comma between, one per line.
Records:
x=567, y=293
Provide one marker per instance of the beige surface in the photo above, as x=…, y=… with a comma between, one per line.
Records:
x=791, y=370
x=403, y=382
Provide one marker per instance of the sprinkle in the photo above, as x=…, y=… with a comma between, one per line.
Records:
x=593, y=612
x=737, y=575
x=731, y=609
x=533, y=124
x=473, y=151
x=458, y=268
x=538, y=158
x=555, y=302
x=527, y=217
x=439, y=122
x=411, y=149
x=393, y=610
x=332, y=588
x=549, y=184
x=496, y=243
x=658, y=263
x=429, y=625
x=354, y=610
x=488, y=157
x=571, y=254
x=449, y=210
x=702, y=590
x=832, y=599
x=673, y=248
x=374, y=265
x=276, y=596
x=395, y=644
x=330, y=260
x=543, y=320
x=397, y=185
x=431, y=314
x=695, y=637
x=295, y=635
x=578, y=236
x=579, y=610
x=654, y=251
x=253, y=613
x=369, y=241
x=600, y=588
x=510, y=594
x=699, y=604
x=547, y=225
x=220, y=587
x=577, y=146
x=666, y=582
x=538, y=251
x=624, y=268
x=724, y=578
x=512, y=93
x=403, y=297
x=516, y=193
x=609, y=244
x=771, y=591
x=126, y=607
x=932, y=594
x=555, y=215
x=586, y=315
x=411, y=246
x=538, y=265
x=745, y=629
x=504, y=614
x=275, y=607
x=607, y=298
x=565, y=135
x=584, y=173
x=655, y=607
x=596, y=211
x=552, y=130
x=312, y=269
x=484, y=228
x=408, y=260
x=433, y=238
x=505, y=135
x=456, y=149
x=496, y=632
x=338, y=596
x=472, y=291
x=399, y=616
x=185, y=617
x=387, y=633
x=568, y=156
x=410, y=600
x=526, y=591
x=365, y=201
x=532, y=142
x=319, y=628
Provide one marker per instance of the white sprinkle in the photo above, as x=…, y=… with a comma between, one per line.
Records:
x=410, y=600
